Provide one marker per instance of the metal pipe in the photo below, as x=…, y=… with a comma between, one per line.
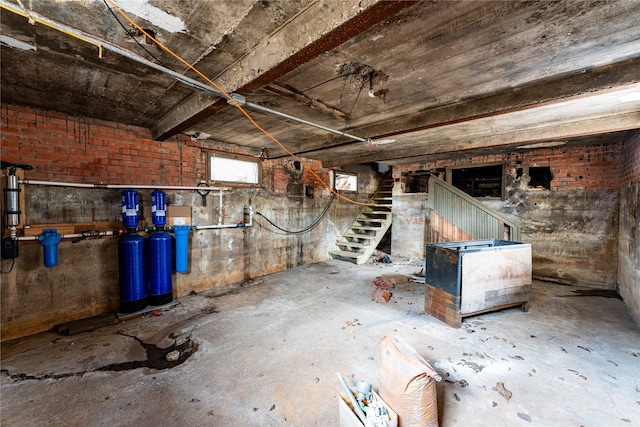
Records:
x=315, y=125
x=213, y=227
x=146, y=230
x=119, y=186
x=248, y=214
x=12, y=203
x=220, y=210
x=72, y=236
x=181, y=78
x=108, y=46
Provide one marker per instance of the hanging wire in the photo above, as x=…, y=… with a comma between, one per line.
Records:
x=305, y=230
x=237, y=105
x=302, y=91
x=131, y=35
x=327, y=81
x=346, y=122
x=13, y=262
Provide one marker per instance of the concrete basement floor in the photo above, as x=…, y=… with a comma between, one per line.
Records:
x=266, y=354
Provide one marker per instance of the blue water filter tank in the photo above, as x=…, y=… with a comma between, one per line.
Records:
x=159, y=208
x=160, y=271
x=130, y=208
x=132, y=272
x=182, y=247
x=49, y=240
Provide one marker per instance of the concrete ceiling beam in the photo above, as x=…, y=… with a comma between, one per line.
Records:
x=315, y=104
x=591, y=114
x=314, y=31
x=564, y=86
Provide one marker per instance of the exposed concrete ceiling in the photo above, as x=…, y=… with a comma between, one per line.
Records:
x=441, y=79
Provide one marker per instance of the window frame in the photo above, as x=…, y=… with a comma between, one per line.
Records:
x=212, y=154
x=334, y=178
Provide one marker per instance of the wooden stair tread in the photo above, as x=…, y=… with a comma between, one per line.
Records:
x=345, y=254
x=362, y=219
x=365, y=227
x=374, y=218
x=377, y=212
x=351, y=244
x=360, y=236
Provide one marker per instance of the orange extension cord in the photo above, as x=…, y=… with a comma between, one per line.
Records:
x=233, y=101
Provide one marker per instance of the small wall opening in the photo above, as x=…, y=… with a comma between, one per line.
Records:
x=416, y=181
x=540, y=177
x=481, y=181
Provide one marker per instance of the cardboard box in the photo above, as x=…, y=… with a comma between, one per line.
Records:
x=348, y=418
x=176, y=215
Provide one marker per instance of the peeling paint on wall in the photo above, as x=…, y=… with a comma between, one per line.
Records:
x=154, y=15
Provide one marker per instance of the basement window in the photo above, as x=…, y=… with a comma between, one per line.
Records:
x=540, y=177
x=233, y=169
x=416, y=181
x=343, y=181
x=481, y=181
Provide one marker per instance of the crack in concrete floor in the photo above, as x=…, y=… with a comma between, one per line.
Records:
x=157, y=358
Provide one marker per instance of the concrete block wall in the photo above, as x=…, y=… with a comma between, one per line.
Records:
x=67, y=148
x=629, y=233
x=573, y=227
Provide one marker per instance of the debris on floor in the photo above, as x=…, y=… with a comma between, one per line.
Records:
x=362, y=406
x=251, y=282
x=381, y=292
x=173, y=356
x=380, y=282
x=524, y=416
x=380, y=295
x=379, y=256
x=395, y=278
x=500, y=388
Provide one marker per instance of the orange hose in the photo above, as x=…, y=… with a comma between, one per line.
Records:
x=237, y=105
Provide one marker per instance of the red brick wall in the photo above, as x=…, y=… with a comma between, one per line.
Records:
x=631, y=160
x=80, y=149
x=276, y=174
x=68, y=148
x=592, y=167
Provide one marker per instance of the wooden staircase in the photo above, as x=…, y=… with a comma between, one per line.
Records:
x=369, y=227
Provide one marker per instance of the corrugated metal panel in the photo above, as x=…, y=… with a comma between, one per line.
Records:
x=466, y=214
